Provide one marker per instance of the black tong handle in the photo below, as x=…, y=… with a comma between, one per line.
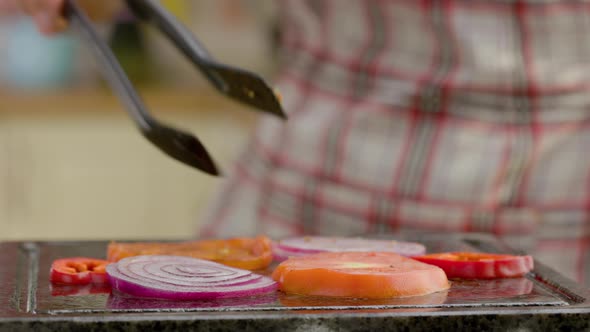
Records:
x=152, y=11
x=178, y=144
x=181, y=37
x=112, y=70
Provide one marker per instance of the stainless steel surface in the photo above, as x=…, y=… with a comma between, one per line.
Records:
x=27, y=293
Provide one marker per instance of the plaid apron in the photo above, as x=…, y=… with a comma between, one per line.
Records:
x=444, y=116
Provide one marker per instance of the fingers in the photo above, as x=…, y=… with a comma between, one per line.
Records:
x=46, y=14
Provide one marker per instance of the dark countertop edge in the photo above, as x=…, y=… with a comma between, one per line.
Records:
x=319, y=314
x=312, y=322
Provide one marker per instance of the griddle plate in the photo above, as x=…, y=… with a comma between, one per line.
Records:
x=33, y=292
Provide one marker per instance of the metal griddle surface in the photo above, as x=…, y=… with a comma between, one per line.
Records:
x=25, y=267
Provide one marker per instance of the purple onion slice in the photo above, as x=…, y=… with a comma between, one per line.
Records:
x=184, y=278
x=307, y=245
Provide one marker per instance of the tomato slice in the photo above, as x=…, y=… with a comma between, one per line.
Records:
x=477, y=265
x=245, y=253
x=78, y=271
x=370, y=275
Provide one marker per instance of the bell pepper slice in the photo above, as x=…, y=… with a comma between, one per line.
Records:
x=476, y=265
x=245, y=253
x=78, y=271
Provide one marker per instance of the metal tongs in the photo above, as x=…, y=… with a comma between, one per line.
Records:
x=235, y=83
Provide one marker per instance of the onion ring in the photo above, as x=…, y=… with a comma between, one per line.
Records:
x=184, y=278
x=307, y=245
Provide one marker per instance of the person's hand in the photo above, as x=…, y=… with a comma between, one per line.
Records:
x=45, y=13
x=48, y=16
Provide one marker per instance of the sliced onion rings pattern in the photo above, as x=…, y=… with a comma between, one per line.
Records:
x=184, y=278
x=307, y=245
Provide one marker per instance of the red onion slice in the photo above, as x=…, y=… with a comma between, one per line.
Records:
x=307, y=245
x=184, y=278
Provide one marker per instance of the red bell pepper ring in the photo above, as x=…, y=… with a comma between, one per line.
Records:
x=79, y=271
x=475, y=265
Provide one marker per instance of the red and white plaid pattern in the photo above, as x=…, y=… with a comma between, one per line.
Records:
x=456, y=115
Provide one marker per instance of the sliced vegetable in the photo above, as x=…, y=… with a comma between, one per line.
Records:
x=244, y=253
x=479, y=265
x=78, y=271
x=370, y=275
x=305, y=245
x=184, y=278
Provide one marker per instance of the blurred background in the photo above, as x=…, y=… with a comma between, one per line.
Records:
x=72, y=164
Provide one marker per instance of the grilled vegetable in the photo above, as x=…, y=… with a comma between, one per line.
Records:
x=479, y=265
x=358, y=274
x=78, y=271
x=184, y=278
x=243, y=253
x=305, y=245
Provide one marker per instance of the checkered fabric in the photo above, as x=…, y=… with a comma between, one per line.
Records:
x=446, y=116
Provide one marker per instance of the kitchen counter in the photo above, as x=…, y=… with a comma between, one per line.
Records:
x=542, y=301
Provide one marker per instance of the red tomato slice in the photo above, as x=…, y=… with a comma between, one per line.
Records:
x=79, y=271
x=369, y=275
x=475, y=265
